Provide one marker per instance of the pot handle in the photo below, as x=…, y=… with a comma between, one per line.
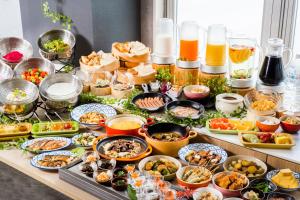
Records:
x=102, y=122
x=145, y=154
x=150, y=121
x=100, y=137
x=192, y=134
x=142, y=132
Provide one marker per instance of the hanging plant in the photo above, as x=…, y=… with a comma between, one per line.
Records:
x=65, y=21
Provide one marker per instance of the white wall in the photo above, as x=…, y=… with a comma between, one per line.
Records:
x=10, y=18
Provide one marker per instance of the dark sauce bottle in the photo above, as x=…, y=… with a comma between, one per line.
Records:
x=271, y=72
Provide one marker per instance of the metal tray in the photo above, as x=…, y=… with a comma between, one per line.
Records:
x=74, y=176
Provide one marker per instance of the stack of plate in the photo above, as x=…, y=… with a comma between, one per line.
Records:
x=55, y=129
x=14, y=131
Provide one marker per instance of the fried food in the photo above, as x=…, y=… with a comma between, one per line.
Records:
x=46, y=145
x=202, y=158
x=55, y=160
x=91, y=117
x=196, y=174
x=231, y=181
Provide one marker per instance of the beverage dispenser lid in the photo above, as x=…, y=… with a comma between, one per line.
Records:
x=188, y=64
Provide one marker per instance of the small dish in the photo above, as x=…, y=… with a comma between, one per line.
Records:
x=69, y=157
x=278, y=195
x=267, y=123
x=143, y=163
x=260, y=194
x=265, y=185
x=79, y=111
x=108, y=164
x=197, y=147
x=85, y=140
x=196, y=91
x=197, y=193
x=260, y=165
x=103, y=177
x=25, y=145
x=288, y=126
x=119, y=183
x=230, y=192
x=120, y=173
x=181, y=173
x=272, y=173
x=228, y=103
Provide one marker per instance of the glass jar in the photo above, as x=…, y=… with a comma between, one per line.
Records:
x=216, y=45
x=189, y=41
x=164, y=38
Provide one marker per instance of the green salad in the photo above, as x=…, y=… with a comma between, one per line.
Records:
x=56, y=46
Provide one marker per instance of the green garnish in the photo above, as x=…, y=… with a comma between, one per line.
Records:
x=56, y=46
x=120, y=173
x=263, y=186
x=19, y=93
x=120, y=182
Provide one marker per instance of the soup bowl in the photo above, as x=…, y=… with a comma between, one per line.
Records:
x=165, y=147
x=124, y=124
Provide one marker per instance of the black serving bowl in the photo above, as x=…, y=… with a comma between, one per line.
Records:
x=271, y=186
x=261, y=195
x=151, y=95
x=186, y=103
x=280, y=195
x=116, y=186
x=120, y=172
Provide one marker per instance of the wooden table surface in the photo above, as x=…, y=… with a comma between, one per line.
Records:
x=20, y=161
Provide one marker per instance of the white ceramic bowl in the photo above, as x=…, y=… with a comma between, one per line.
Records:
x=248, y=158
x=227, y=103
x=143, y=162
x=196, y=194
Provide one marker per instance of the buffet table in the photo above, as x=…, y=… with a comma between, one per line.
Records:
x=275, y=158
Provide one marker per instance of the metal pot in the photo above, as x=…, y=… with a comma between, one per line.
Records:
x=43, y=64
x=9, y=44
x=18, y=109
x=63, y=34
x=62, y=103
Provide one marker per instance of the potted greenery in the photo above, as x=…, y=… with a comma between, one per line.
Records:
x=164, y=76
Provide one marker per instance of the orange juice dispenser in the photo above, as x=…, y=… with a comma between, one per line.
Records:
x=188, y=65
x=163, y=54
x=215, y=56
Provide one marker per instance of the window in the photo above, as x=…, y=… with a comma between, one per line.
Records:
x=260, y=19
x=297, y=32
x=238, y=16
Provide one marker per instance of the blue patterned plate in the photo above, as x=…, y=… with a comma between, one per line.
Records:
x=202, y=146
x=26, y=144
x=34, y=161
x=272, y=173
x=106, y=110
